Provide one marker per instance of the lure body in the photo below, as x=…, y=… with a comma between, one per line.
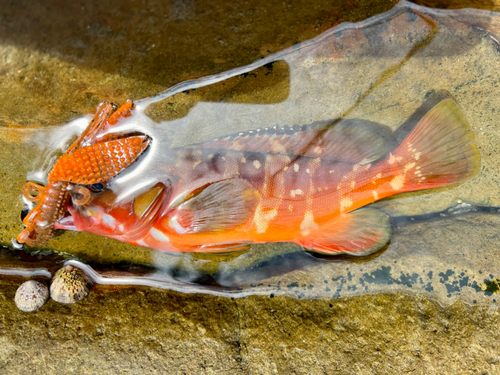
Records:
x=307, y=185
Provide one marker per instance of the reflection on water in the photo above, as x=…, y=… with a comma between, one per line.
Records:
x=390, y=70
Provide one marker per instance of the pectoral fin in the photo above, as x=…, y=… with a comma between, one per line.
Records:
x=359, y=233
x=221, y=206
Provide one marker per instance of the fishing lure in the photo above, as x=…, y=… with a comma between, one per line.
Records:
x=306, y=185
x=87, y=162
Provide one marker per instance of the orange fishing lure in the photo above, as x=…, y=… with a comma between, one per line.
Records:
x=86, y=162
x=307, y=185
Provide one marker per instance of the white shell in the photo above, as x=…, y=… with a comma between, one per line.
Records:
x=69, y=285
x=31, y=295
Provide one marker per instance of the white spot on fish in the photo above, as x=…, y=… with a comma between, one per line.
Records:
x=108, y=220
x=196, y=162
x=409, y=166
x=375, y=195
x=331, y=171
x=263, y=218
x=174, y=224
x=142, y=243
x=296, y=167
x=393, y=159
x=353, y=184
x=277, y=147
x=293, y=193
x=256, y=164
x=355, y=168
x=379, y=175
x=308, y=171
x=121, y=227
x=158, y=235
x=243, y=160
x=345, y=203
x=308, y=224
x=290, y=208
x=317, y=150
x=398, y=182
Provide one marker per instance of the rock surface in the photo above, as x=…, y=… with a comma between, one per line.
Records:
x=152, y=331
x=58, y=64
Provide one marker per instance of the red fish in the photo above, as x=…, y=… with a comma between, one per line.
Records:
x=307, y=185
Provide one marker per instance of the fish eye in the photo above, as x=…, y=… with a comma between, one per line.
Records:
x=24, y=212
x=97, y=188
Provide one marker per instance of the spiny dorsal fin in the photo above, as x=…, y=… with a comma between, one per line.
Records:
x=359, y=233
x=338, y=142
x=221, y=206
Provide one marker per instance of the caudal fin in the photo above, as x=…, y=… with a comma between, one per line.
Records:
x=439, y=151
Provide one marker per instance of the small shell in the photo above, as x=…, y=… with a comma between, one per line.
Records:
x=69, y=285
x=31, y=295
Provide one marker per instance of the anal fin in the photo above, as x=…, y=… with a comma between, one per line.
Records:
x=358, y=233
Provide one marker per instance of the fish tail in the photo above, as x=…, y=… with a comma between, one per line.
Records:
x=439, y=151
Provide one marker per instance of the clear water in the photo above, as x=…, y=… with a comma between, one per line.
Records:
x=388, y=70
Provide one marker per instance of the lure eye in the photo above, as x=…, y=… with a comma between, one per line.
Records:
x=24, y=212
x=97, y=188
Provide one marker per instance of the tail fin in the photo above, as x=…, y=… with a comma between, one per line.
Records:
x=439, y=151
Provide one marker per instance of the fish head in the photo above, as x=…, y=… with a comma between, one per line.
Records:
x=105, y=215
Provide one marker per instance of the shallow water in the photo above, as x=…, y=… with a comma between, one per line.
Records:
x=387, y=70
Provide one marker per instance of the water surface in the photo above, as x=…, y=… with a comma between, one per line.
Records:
x=385, y=72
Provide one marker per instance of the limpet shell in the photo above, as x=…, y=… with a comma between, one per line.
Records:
x=31, y=295
x=69, y=285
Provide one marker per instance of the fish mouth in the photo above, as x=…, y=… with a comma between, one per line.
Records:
x=66, y=223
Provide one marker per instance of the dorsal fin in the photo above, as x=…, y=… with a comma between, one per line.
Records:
x=341, y=142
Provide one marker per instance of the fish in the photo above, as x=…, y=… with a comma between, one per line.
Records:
x=310, y=185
